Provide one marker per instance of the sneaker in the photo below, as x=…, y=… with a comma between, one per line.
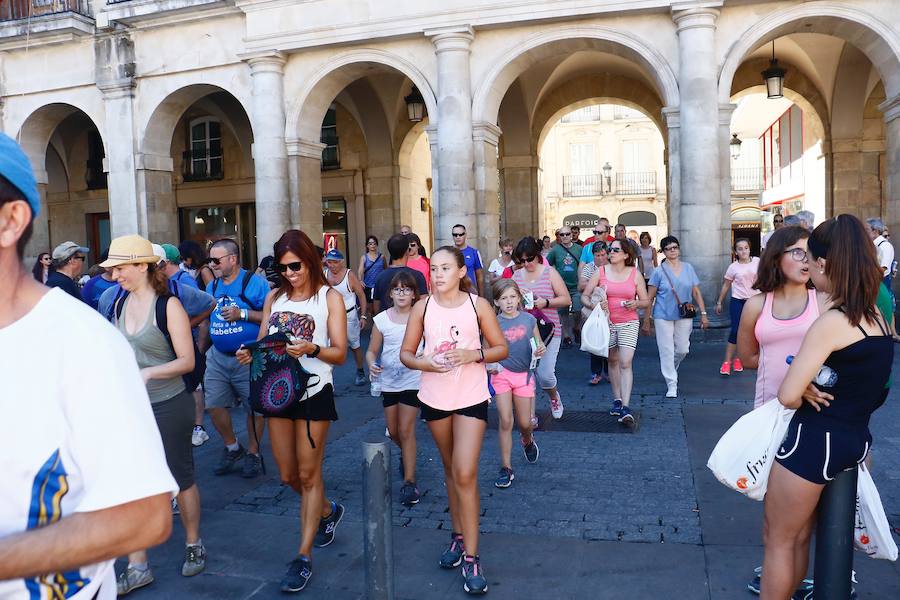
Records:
x=253, y=465
x=595, y=379
x=131, y=579
x=475, y=581
x=505, y=478
x=409, y=494
x=327, y=526
x=672, y=391
x=361, y=378
x=228, y=460
x=452, y=556
x=175, y=509
x=556, y=406
x=626, y=418
x=199, y=436
x=194, y=560
x=616, y=409
x=532, y=452
x=755, y=583
x=737, y=365
x=297, y=576
x=725, y=368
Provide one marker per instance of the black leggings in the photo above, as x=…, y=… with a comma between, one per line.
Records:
x=599, y=365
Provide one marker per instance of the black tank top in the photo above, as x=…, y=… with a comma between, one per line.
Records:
x=862, y=370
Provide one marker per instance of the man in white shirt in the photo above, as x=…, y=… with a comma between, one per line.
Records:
x=875, y=227
x=777, y=223
x=84, y=477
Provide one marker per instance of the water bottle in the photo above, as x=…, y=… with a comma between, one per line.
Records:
x=826, y=377
x=376, y=382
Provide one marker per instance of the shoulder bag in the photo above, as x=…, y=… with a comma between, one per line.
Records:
x=686, y=310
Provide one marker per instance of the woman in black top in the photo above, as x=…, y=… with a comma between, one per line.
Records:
x=848, y=352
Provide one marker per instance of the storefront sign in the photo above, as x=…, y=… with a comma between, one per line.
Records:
x=584, y=220
x=330, y=242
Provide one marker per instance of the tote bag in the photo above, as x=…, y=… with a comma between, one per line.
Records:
x=871, y=531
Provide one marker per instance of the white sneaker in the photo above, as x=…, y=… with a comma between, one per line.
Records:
x=672, y=392
x=199, y=436
x=556, y=406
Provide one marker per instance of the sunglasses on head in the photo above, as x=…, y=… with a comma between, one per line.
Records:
x=294, y=266
x=217, y=261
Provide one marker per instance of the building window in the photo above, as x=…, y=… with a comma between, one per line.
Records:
x=783, y=149
x=204, y=159
x=331, y=154
x=583, y=115
x=95, y=177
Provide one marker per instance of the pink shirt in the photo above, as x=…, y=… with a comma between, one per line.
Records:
x=779, y=338
x=446, y=329
x=423, y=266
x=616, y=293
x=742, y=277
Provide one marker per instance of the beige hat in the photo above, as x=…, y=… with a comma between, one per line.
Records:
x=129, y=249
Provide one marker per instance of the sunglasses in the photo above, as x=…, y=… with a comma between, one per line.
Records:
x=565, y=235
x=296, y=267
x=413, y=245
x=79, y=257
x=524, y=259
x=798, y=254
x=671, y=248
x=778, y=221
x=615, y=249
x=458, y=234
x=217, y=261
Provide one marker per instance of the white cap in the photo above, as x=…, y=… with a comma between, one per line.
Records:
x=159, y=253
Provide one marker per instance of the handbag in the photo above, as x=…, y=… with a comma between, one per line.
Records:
x=595, y=333
x=686, y=310
x=871, y=530
x=545, y=327
x=743, y=456
x=278, y=382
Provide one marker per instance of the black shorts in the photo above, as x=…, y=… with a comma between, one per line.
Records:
x=477, y=411
x=370, y=293
x=318, y=407
x=881, y=400
x=175, y=420
x=407, y=397
x=817, y=453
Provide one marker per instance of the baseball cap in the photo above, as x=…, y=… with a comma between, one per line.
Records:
x=334, y=254
x=172, y=253
x=66, y=249
x=15, y=168
x=159, y=253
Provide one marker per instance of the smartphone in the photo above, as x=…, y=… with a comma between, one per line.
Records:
x=528, y=299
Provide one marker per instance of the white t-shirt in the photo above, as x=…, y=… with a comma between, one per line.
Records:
x=885, y=254
x=497, y=267
x=78, y=435
x=396, y=377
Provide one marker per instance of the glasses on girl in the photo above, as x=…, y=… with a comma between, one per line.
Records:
x=401, y=291
x=798, y=254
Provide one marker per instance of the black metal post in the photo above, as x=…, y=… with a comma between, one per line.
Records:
x=834, y=538
x=379, y=546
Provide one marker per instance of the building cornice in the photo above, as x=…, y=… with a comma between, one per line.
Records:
x=486, y=132
x=304, y=148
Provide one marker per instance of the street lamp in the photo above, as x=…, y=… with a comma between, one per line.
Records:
x=734, y=146
x=774, y=77
x=415, y=105
x=607, y=170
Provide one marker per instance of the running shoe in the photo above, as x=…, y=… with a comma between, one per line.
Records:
x=595, y=379
x=327, y=526
x=131, y=579
x=532, y=452
x=505, y=478
x=194, y=560
x=616, y=409
x=756, y=584
x=199, y=436
x=672, y=391
x=361, y=378
x=725, y=369
x=626, y=418
x=475, y=581
x=556, y=406
x=737, y=365
x=297, y=576
x=452, y=556
x=409, y=494
x=253, y=465
x=228, y=460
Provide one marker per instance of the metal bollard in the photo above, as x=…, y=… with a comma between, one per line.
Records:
x=834, y=538
x=379, y=546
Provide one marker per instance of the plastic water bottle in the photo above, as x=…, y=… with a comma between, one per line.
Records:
x=376, y=382
x=826, y=377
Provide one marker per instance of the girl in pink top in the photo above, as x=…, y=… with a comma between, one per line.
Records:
x=739, y=277
x=454, y=393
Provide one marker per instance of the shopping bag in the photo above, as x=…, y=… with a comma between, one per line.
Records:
x=744, y=455
x=595, y=333
x=871, y=531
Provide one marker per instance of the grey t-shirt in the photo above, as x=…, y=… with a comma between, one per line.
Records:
x=517, y=331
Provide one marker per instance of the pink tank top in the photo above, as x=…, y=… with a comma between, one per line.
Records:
x=445, y=329
x=542, y=288
x=616, y=293
x=779, y=338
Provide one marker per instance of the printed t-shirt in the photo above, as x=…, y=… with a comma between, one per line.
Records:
x=83, y=445
x=383, y=285
x=565, y=262
x=666, y=306
x=473, y=263
x=518, y=332
x=742, y=277
x=226, y=336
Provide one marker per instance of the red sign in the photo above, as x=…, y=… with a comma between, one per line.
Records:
x=330, y=242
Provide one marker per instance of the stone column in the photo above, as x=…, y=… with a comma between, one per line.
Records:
x=153, y=175
x=700, y=206
x=725, y=112
x=486, y=138
x=891, y=110
x=455, y=151
x=520, y=196
x=305, y=168
x=672, y=115
x=127, y=213
x=273, y=212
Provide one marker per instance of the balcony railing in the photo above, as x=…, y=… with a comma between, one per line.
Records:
x=636, y=183
x=580, y=186
x=13, y=10
x=746, y=179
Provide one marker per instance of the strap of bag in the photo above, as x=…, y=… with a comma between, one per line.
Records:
x=118, y=304
x=372, y=264
x=244, y=282
x=677, y=299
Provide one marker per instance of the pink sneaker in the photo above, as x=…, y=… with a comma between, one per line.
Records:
x=738, y=365
x=726, y=369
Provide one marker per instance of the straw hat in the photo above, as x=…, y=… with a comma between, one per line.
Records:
x=129, y=249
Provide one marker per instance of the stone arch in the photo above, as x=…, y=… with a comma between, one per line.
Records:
x=510, y=66
x=38, y=127
x=859, y=28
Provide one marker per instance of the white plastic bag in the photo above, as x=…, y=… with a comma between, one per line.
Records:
x=595, y=333
x=744, y=455
x=871, y=532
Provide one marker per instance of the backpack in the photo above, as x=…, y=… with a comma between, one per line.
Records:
x=195, y=377
x=244, y=282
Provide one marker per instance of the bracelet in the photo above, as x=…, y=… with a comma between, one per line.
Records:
x=315, y=352
x=243, y=314
x=364, y=317
x=702, y=313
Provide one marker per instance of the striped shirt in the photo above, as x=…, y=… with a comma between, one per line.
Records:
x=541, y=288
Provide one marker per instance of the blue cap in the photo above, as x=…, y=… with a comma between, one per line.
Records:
x=16, y=169
x=334, y=254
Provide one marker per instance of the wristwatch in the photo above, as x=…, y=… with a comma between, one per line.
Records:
x=315, y=352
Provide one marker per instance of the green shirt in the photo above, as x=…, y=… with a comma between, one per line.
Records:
x=565, y=261
x=885, y=304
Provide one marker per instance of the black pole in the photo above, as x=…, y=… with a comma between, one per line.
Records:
x=834, y=538
x=379, y=547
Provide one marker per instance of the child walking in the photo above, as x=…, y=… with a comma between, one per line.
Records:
x=512, y=378
x=454, y=394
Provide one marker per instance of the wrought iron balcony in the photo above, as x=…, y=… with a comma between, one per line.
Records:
x=583, y=186
x=747, y=179
x=637, y=183
x=14, y=10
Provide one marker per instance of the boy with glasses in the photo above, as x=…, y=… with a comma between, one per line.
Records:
x=68, y=262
